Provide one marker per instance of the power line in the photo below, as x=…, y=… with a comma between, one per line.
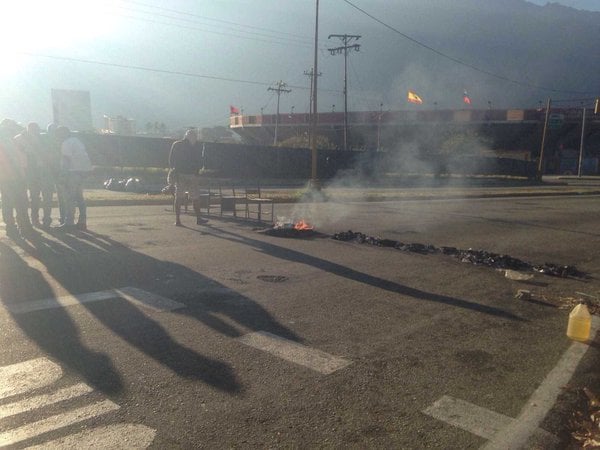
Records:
x=168, y=72
x=458, y=61
x=189, y=14
x=154, y=70
x=148, y=69
x=273, y=39
x=284, y=41
x=297, y=39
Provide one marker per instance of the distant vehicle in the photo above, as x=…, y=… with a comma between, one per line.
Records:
x=569, y=164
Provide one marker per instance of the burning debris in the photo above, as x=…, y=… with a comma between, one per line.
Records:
x=477, y=257
x=291, y=229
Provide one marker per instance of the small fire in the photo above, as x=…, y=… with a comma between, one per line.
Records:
x=302, y=225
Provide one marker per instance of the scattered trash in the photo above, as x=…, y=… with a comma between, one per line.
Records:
x=580, y=323
x=133, y=185
x=559, y=271
x=523, y=294
x=518, y=276
x=127, y=185
x=477, y=257
x=568, y=302
x=112, y=184
x=585, y=423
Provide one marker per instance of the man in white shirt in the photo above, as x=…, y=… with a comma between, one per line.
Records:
x=75, y=165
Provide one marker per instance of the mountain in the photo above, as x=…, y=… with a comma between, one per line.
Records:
x=586, y=5
x=187, y=65
x=524, y=53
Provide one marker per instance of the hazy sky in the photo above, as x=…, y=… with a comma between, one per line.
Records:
x=184, y=62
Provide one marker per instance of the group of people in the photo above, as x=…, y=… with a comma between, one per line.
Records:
x=33, y=166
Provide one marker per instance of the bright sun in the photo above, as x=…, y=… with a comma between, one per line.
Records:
x=29, y=26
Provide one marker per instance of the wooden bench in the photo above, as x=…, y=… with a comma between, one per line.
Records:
x=254, y=198
x=229, y=200
x=209, y=198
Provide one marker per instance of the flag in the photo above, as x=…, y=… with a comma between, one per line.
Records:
x=466, y=98
x=414, y=98
x=233, y=110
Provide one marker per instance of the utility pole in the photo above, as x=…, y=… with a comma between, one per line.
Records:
x=281, y=87
x=346, y=40
x=313, y=123
x=540, y=168
x=311, y=75
x=379, y=126
x=581, y=143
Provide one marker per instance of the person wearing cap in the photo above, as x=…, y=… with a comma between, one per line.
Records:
x=13, y=185
x=75, y=166
x=184, y=166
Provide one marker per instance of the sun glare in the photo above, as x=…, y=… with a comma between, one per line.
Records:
x=29, y=26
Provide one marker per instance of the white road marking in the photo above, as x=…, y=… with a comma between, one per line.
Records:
x=506, y=433
x=477, y=420
x=297, y=353
x=472, y=418
x=148, y=300
x=38, y=401
x=137, y=296
x=516, y=434
x=122, y=436
x=52, y=423
x=27, y=376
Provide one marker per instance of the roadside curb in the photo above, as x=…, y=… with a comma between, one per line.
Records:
x=363, y=198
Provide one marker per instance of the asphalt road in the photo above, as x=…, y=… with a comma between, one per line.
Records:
x=268, y=342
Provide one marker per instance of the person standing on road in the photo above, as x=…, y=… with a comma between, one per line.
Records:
x=13, y=185
x=75, y=166
x=52, y=145
x=38, y=174
x=184, y=165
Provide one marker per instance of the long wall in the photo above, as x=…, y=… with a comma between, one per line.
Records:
x=249, y=161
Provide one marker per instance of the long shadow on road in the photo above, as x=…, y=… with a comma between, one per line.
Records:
x=354, y=275
x=88, y=262
x=53, y=331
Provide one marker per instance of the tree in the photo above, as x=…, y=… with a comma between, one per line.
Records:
x=302, y=141
x=216, y=134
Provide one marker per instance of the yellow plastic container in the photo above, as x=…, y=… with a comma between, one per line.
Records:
x=580, y=323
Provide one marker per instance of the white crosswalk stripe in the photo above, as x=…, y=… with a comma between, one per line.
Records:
x=122, y=436
x=133, y=295
x=29, y=404
x=312, y=358
x=28, y=377
x=52, y=423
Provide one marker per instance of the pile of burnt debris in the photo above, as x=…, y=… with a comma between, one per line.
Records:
x=477, y=257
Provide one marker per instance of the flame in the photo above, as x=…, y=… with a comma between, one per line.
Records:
x=302, y=225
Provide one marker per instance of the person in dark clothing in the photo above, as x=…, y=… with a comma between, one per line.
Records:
x=184, y=165
x=39, y=173
x=13, y=185
x=52, y=146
